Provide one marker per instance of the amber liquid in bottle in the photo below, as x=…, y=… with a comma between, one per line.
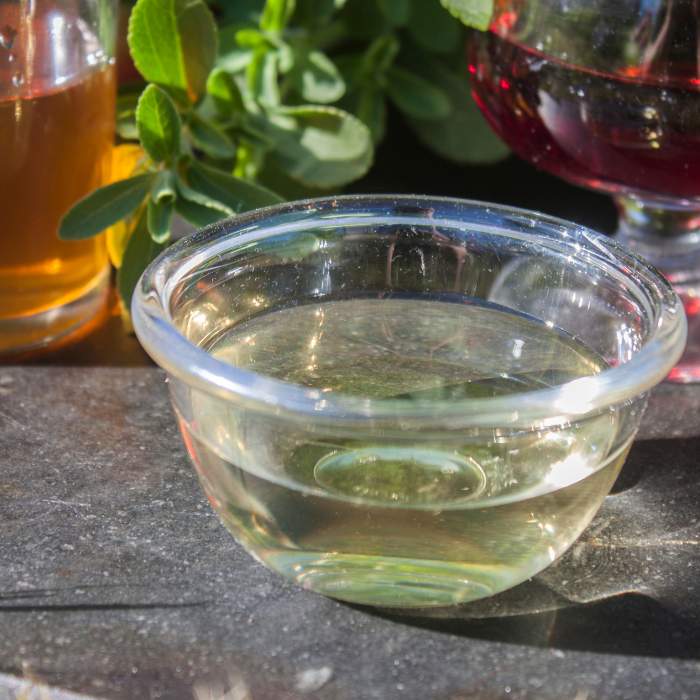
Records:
x=56, y=148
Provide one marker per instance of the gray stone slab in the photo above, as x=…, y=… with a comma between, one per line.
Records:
x=117, y=580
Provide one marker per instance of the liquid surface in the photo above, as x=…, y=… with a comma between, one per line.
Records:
x=415, y=520
x=400, y=347
x=610, y=132
x=57, y=131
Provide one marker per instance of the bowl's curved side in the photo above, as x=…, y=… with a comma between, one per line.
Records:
x=350, y=538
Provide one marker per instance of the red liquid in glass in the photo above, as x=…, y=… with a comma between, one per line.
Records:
x=621, y=134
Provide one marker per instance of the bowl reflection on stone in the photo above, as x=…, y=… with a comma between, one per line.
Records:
x=605, y=95
x=390, y=401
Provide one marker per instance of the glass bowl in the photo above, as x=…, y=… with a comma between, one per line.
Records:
x=406, y=401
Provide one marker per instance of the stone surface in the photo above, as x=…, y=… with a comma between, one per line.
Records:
x=117, y=580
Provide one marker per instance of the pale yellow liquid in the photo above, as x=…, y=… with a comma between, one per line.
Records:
x=406, y=521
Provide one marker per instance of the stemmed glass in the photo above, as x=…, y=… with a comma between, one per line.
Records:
x=606, y=94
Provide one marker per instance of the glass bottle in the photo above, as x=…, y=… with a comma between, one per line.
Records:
x=57, y=112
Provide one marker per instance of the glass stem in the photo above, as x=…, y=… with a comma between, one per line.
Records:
x=665, y=232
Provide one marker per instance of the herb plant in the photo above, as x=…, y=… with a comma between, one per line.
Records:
x=247, y=103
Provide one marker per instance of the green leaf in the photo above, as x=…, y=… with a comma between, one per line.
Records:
x=126, y=126
x=262, y=77
x=474, y=13
x=164, y=187
x=212, y=140
x=274, y=178
x=254, y=136
x=371, y=109
x=249, y=160
x=415, y=96
x=434, y=29
x=237, y=194
x=104, y=208
x=315, y=77
x=196, y=214
x=159, y=219
x=235, y=61
x=254, y=39
x=320, y=146
x=225, y=93
x=197, y=208
x=396, y=11
x=285, y=58
x=192, y=195
x=174, y=44
x=126, y=116
x=140, y=251
x=159, y=124
x=276, y=15
x=233, y=57
x=380, y=54
x=463, y=136
x=267, y=41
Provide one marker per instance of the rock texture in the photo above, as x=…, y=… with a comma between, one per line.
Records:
x=117, y=580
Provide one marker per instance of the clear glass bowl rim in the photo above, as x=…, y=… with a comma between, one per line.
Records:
x=155, y=329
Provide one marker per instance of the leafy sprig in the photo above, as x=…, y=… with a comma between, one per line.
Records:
x=249, y=102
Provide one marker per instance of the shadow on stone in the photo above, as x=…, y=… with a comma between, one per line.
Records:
x=632, y=472
x=631, y=624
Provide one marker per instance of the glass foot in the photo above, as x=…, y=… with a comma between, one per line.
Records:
x=22, y=333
